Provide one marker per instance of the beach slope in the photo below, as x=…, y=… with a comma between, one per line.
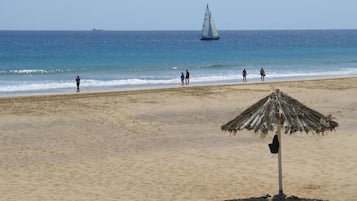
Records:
x=166, y=144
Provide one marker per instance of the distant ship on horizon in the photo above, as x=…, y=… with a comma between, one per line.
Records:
x=209, y=30
x=94, y=29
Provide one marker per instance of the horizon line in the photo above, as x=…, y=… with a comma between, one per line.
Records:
x=128, y=30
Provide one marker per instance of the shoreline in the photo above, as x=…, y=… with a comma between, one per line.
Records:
x=219, y=84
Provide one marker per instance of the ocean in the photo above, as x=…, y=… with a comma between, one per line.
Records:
x=46, y=62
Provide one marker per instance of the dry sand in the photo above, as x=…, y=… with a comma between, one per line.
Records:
x=166, y=144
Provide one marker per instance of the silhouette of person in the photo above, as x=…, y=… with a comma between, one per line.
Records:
x=262, y=74
x=182, y=78
x=187, y=77
x=78, y=81
x=244, y=73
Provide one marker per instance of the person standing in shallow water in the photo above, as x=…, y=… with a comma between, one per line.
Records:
x=78, y=81
x=262, y=74
x=187, y=77
x=244, y=73
x=182, y=78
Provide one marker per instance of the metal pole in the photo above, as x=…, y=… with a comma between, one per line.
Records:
x=279, y=159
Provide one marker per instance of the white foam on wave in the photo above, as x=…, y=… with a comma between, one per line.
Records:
x=35, y=71
x=86, y=83
x=93, y=84
x=303, y=74
x=127, y=82
x=27, y=71
x=34, y=86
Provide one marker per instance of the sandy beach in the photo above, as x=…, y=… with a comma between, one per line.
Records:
x=167, y=144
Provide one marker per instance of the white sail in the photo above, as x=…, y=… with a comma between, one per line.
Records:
x=206, y=23
x=213, y=29
x=209, y=30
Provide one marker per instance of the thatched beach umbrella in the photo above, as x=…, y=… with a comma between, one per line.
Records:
x=281, y=111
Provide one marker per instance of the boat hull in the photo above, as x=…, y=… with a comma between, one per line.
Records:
x=205, y=38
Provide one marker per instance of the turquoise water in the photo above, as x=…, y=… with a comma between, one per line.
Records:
x=34, y=62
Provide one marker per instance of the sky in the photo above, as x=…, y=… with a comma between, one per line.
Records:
x=176, y=14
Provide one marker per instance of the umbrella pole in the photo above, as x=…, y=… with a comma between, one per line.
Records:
x=279, y=159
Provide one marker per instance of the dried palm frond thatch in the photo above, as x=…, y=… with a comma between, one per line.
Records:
x=294, y=116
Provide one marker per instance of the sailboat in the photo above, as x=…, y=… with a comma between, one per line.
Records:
x=209, y=30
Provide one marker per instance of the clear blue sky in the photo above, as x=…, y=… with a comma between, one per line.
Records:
x=176, y=14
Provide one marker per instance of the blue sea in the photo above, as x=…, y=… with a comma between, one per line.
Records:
x=45, y=62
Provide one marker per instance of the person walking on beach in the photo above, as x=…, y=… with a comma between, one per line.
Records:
x=78, y=80
x=187, y=77
x=182, y=78
x=244, y=73
x=262, y=74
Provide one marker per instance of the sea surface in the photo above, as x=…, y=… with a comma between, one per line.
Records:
x=45, y=62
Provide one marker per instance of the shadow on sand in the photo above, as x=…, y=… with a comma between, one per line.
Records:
x=268, y=198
